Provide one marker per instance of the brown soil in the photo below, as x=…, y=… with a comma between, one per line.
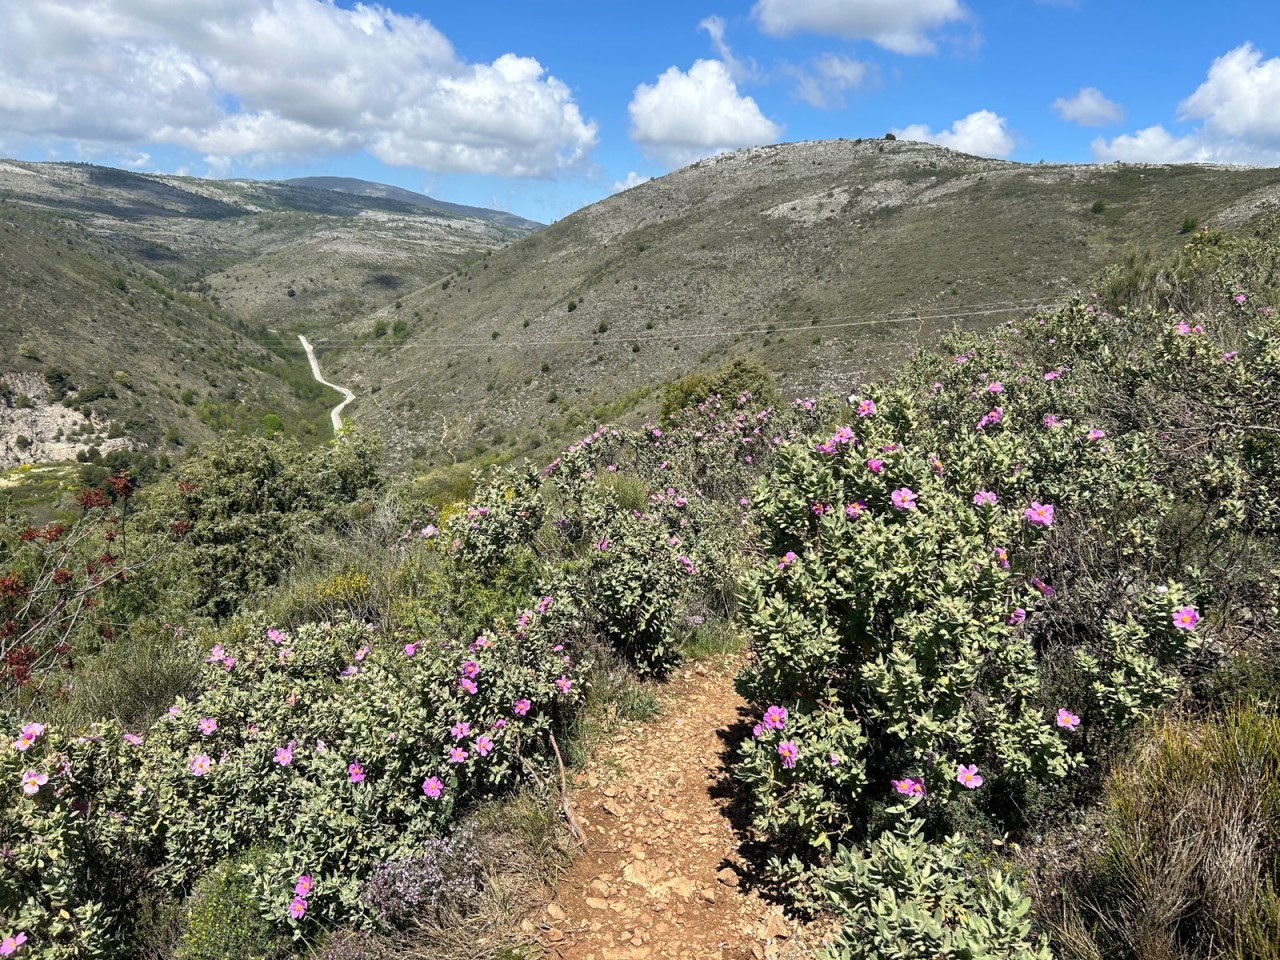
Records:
x=664, y=874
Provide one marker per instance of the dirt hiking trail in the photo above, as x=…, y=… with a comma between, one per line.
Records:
x=664, y=874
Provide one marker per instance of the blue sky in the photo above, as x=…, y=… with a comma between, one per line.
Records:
x=543, y=106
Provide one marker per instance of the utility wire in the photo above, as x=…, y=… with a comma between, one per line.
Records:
x=838, y=322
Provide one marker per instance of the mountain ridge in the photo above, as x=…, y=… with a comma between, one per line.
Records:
x=368, y=188
x=827, y=261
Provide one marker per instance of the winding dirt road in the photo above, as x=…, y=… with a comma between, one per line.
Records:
x=336, y=413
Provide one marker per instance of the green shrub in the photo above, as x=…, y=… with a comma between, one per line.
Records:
x=246, y=508
x=910, y=899
x=738, y=378
x=333, y=747
x=223, y=922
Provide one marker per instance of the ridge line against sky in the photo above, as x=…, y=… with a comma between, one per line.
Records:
x=543, y=108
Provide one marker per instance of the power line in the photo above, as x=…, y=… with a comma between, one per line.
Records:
x=838, y=322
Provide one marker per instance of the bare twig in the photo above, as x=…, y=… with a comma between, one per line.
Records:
x=575, y=828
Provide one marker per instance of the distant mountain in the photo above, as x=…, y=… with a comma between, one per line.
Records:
x=365, y=188
x=157, y=311
x=826, y=261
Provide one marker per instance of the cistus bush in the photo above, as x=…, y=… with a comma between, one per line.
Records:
x=978, y=582
x=910, y=899
x=894, y=611
x=335, y=747
x=1004, y=559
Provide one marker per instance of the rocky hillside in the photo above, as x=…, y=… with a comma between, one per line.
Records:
x=162, y=310
x=824, y=260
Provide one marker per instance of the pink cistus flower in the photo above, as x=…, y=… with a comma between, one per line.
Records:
x=1182, y=329
x=297, y=908
x=460, y=729
x=984, y=498
x=133, y=739
x=1067, y=720
x=903, y=499
x=284, y=755
x=1017, y=617
x=875, y=465
x=10, y=944
x=471, y=669
x=909, y=786
x=275, y=636
x=1052, y=420
x=468, y=686
x=1186, y=618
x=410, y=649
x=564, y=684
x=433, y=787
x=787, y=559
x=1240, y=298
x=521, y=707
x=207, y=726
x=1039, y=514
x=1096, y=434
x=775, y=718
x=201, y=764
x=788, y=751
x=32, y=781
x=996, y=387
x=355, y=773
x=484, y=744
x=304, y=885
x=866, y=408
x=856, y=509
x=457, y=755
x=968, y=777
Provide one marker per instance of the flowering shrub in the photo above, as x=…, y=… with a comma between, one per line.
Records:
x=445, y=874
x=331, y=747
x=938, y=583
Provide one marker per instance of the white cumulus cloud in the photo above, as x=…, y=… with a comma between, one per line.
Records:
x=739, y=69
x=632, y=179
x=241, y=79
x=1237, y=109
x=982, y=133
x=1088, y=108
x=690, y=114
x=903, y=26
x=830, y=78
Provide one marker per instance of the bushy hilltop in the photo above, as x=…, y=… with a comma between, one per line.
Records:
x=825, y=261
x=172, y=300
x=1011, y=623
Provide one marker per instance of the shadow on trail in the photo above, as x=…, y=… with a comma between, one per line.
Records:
x=752, y=871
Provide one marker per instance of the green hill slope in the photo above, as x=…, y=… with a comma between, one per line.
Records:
x=824, y=260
